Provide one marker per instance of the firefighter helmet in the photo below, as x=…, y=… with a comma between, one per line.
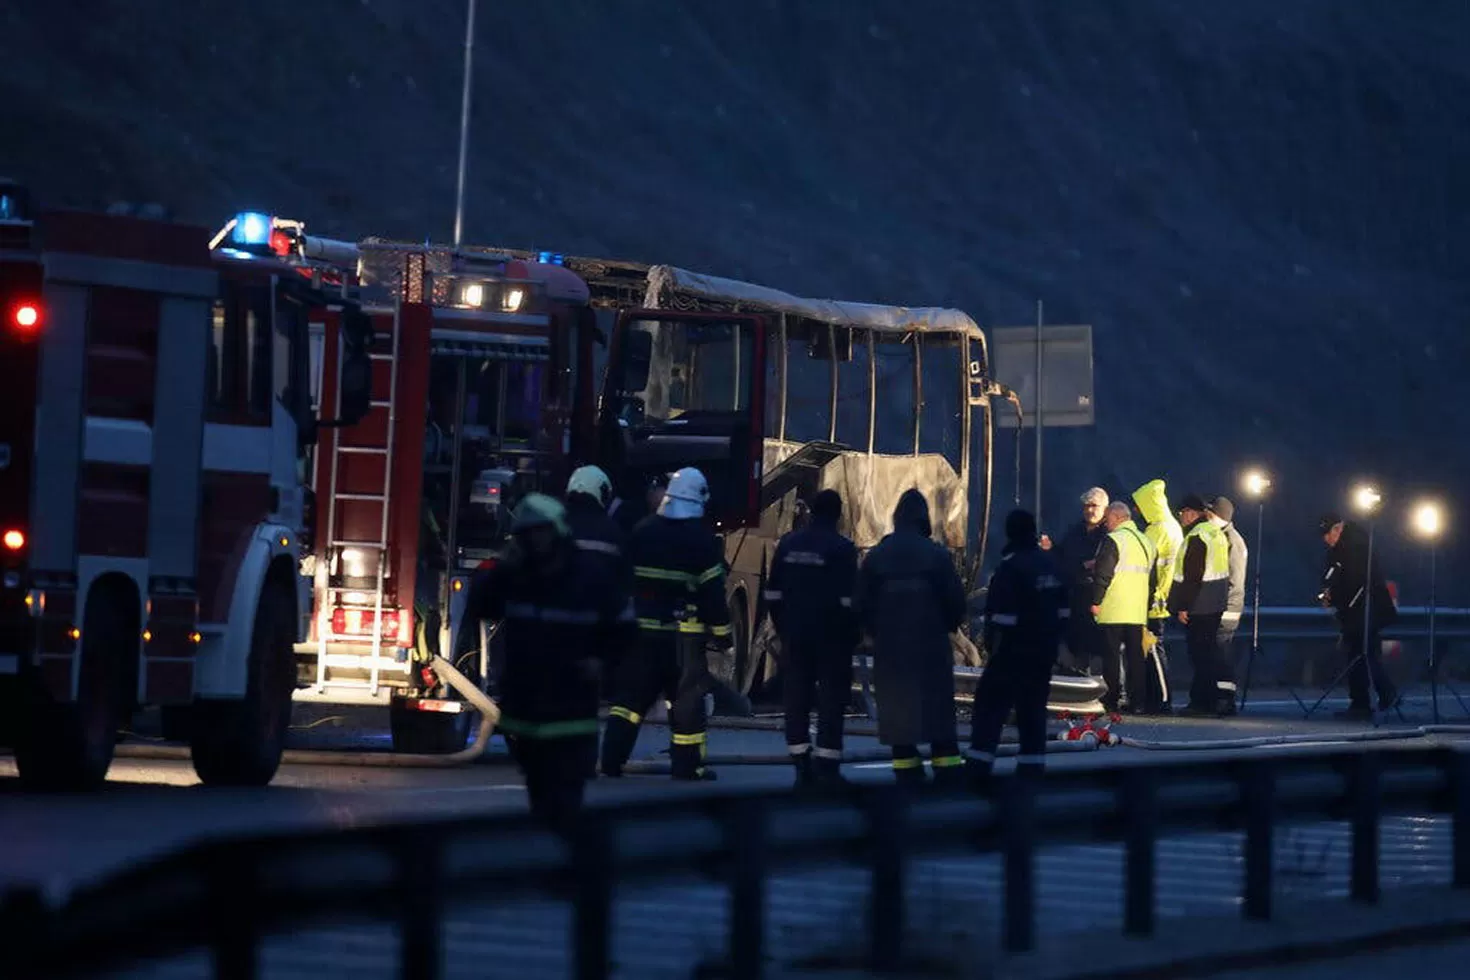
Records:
x=592, y=481
x=539, y=510
x=687, y=495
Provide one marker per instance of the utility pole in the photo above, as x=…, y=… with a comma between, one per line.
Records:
x=1040, y=411
x=464, y=123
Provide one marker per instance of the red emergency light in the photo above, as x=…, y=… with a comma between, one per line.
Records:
x=26, y=317
x=14, y=539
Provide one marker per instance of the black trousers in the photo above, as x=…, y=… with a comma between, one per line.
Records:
x=1123, y=648
x=1016, y=679
x=663, y=665
x=815, y=677
x=1156, y=696
x=555, y=770
x=1352, y=647
x=1211, y=667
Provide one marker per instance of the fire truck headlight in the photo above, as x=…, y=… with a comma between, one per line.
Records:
x=511, y=300
x=473, y=294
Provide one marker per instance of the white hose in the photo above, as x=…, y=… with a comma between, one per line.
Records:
x=489, y=718
x=1423, y=731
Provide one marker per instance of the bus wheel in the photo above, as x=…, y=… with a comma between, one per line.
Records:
x=68, y=746
x=239, y=741
x=427, y=732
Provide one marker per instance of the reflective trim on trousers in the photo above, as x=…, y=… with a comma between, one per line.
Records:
x=947, y=761
x=709, y=574
x=1225, y=685
x=801, y=749
x=627, y=714
x=662, y=574
x=828, y=753
x=979, y=756
x=908, y=762
x=696, y=739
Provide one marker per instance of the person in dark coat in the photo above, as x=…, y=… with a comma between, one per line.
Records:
x=1346, y=582
x=809, y=594
x=1026, y=611
x=561, y=612
x=1074, y=555
x=910, y=600
x=589, y=492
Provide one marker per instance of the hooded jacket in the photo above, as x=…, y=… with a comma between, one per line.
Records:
x=910, y=599
x=1166, y=534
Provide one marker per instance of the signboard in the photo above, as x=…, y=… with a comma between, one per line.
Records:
x=1066, y=367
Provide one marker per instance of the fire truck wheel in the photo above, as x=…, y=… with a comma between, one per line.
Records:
x=69, y=746
x=239, y=742
x=744, y=668
x=427, y=732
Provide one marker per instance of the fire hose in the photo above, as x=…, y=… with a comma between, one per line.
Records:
x=489, y=717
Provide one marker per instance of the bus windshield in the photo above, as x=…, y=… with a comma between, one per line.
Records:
x=672, y=369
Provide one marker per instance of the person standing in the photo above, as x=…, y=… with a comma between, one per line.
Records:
x=1201, y=587
x=910, y=599
x=679, y=593
x=1221, y=512
x=809, y=594
x=1074, y=555
x=1122, y=585
x=1348, y=579
x=1026, y=608
x=1164, y=532
x=561, y=612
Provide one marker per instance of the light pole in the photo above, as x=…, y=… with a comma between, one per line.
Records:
x=1256, y=485
x=1428, y=523
x=464, y=123
x=1366, y=500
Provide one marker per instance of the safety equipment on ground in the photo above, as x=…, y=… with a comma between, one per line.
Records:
x=539, y=510
x=592, y=481
x=687, y=495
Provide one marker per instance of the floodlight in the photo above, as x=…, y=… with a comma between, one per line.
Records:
x=1428, y=519
x=1366, y=498
x=1255, y=483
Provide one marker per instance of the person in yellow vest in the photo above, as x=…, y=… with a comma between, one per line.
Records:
x=1198, y=599
x=1122, y=584
x=1164, y=532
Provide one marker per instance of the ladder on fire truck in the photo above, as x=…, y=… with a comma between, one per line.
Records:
x=377, y=548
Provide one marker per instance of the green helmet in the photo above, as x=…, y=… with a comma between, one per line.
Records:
x=539, y=510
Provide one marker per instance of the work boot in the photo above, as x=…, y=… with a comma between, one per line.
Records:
x=828, y=774
x=950, y=778
x=980, y=774
x=704, y=774
x=806, y=777
x=912, y=778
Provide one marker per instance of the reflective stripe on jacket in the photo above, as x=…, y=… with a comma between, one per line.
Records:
x=1126, y=601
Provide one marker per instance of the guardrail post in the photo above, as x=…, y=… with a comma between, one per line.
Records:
x=1138, y=807
x=420, y=922
x=746, y=833
x=1257, y=792
x=1364, y=802
x=1458, y=772
x=887, y=818
x=233, y=893
x=1018, y=831
x=592, y=863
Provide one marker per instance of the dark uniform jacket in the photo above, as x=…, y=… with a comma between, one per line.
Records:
x=556, y=630
x=1078, y=547
x=910, y=599
x=596, y=533
x=1344, y=579
x=810, y=589
x=1026, y=606
x=679, y=578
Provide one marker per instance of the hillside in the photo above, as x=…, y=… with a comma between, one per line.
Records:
x=1262, y=212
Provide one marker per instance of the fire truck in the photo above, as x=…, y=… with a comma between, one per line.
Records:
x=482, y=391
x=155, y=425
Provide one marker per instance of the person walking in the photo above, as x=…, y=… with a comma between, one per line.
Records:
x=1122, y=586
x=1347, y=581
x=679, y=594
x=1198, y=598
x=561, y=613
x=910, y=599
x=809, y=595
x=1026, y=610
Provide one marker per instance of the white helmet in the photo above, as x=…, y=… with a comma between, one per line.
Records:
x=592, y=481
x=686, y=496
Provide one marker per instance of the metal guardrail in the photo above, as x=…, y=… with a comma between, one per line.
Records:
x=227, y=896
x=1313, y=622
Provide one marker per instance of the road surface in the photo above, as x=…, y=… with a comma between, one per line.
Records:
x=154, y=806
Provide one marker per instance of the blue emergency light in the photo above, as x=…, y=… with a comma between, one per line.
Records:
x=252, y=228
x=550, y=258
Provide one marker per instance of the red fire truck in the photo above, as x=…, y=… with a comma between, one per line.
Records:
x=482, y=391
x=154, y=426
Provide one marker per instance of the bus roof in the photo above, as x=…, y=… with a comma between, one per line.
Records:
x=897, y=319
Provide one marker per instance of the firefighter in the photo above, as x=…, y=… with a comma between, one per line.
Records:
x=560, y=612
x=1026, y=610
x=1122, y=585
x=910, y=600
x=679, y=593
x=809, y=595
x=1198, y=599
x=1166, y=535
x=589, y=492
